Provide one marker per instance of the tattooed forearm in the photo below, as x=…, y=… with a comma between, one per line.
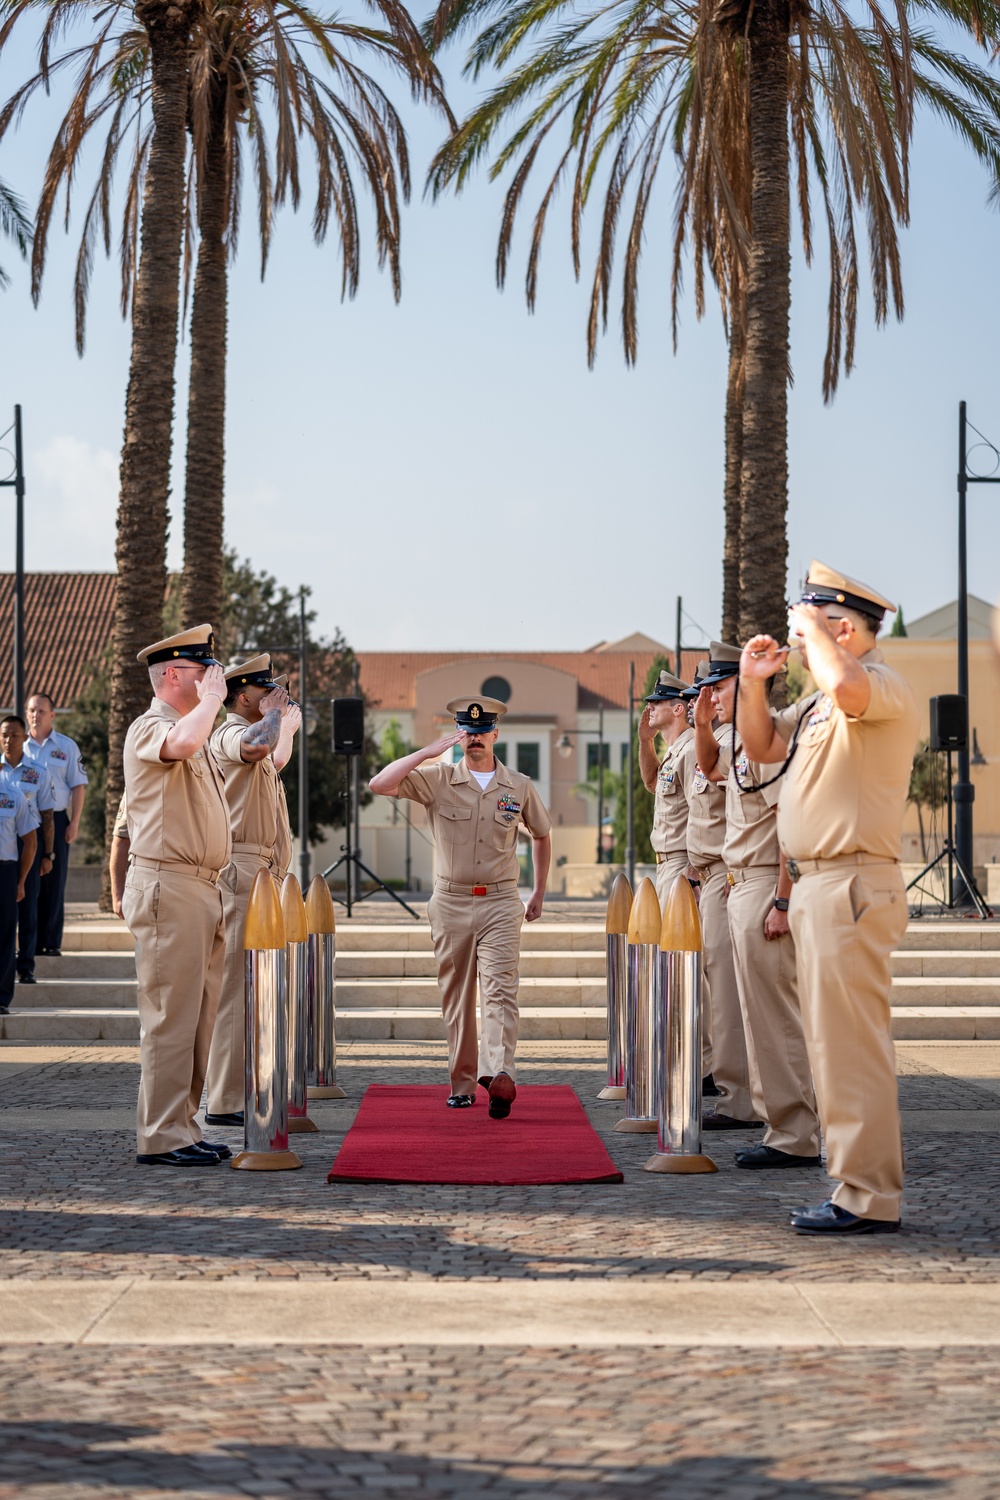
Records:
x=265, y=731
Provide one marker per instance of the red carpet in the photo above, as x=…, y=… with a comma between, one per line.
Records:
x=407, y=1134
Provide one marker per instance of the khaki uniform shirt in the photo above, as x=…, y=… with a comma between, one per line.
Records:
x=283, y=842
x=177, y=809
x=475, y=833
x=845, y=789
x=751, y=821
x=670, y=808
x=251, y=786
x=120, y=830
x=706, y=832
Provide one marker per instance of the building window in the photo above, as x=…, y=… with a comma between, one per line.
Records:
x=592, y=758
x=500, y=751
x=528, y=760
x=496, y=687
x=624, y=756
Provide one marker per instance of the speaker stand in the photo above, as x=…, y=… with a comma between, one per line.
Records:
x=955, y=862
x=354, y=865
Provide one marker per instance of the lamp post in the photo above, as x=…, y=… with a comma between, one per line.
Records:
x=15, y=481
x=565, y=747
x=963, y=792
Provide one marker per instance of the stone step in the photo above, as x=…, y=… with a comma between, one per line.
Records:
x=538, y=1023
x=947, y=963
x=414, y=991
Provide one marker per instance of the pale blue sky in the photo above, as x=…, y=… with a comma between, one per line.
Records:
x=448, y=473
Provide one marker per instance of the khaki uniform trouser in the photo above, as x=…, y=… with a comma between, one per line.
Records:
x=666, y=874
x=478, y=934
x=846, y=919
x=177, y=924
x=226, y=1078
x=729, y=1048
x=780, y=1081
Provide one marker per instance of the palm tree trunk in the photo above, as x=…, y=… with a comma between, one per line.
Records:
x=734, y=464
x=764, y=475
x=149, y=405
x=203, y=490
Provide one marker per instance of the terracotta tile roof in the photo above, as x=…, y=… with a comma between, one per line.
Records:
x=67, y=624
x=387, y=677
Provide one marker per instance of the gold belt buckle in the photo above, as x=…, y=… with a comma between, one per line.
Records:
x=730, y=878
x=793, y=870
x=479, y=890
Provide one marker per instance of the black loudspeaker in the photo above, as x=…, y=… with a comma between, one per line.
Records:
x=348, y=725
x=949, y=722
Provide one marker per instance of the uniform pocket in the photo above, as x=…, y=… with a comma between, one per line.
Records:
x=859, y=897
x=504, y=833
x=456, y=824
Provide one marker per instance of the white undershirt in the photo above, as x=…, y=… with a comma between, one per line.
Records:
x=483, y=777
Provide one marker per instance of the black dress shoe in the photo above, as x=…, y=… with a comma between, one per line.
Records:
x=50, y=952
x=4, y=1010
x=769, y=1156
x=217, y=1148
x=234, y=1118
x=712, y=1120
x=460, y=1101
x=184, y=1156
x=26, y=979
x=827, y=1218
x=708, y=1087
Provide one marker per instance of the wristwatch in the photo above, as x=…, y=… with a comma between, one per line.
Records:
x=780, y=903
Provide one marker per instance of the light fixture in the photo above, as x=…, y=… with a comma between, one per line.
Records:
x=565, y=747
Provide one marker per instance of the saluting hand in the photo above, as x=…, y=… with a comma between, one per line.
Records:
x=275, y=697
x=762, y=658
x=212, y=685
x=293, y=716
x=646, y=732
x=704, y=708
x=440, y=746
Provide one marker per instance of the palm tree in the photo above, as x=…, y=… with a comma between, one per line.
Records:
x=15, y=225
x=238, y=61
x=234, y=55
x=629, y=80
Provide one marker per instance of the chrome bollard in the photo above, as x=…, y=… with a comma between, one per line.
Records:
x=265, y=1127
x=616, y=928
x=321, y=1059
x=678, y=1143
x=641, y=997
x=296, y=936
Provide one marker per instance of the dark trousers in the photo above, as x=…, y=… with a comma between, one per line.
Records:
x=52, y=892
x=8, y=929
x=27, y=911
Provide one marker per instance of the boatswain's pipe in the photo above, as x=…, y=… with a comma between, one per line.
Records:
x=265, y=1121
x=321, y=1060
x=297, y=937
x=616, y=941
x=680, y=1020
x=641, y=1002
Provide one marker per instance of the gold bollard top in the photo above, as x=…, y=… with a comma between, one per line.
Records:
x=265, y=926
x=681, y=931
x=319, y=907
x=293, y=910
x=619, y=905
x=644, y=919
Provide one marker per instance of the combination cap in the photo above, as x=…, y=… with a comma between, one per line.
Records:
x=701, y=672
x=257, y=672
x=668, y=687
x=476, y=715
x=197, y=645
x=824, y=586
x=724, y=661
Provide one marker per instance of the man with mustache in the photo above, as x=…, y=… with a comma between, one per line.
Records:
x=475, y=809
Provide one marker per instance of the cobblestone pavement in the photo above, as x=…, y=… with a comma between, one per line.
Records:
x=73, y=1203
x=688, y=1425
